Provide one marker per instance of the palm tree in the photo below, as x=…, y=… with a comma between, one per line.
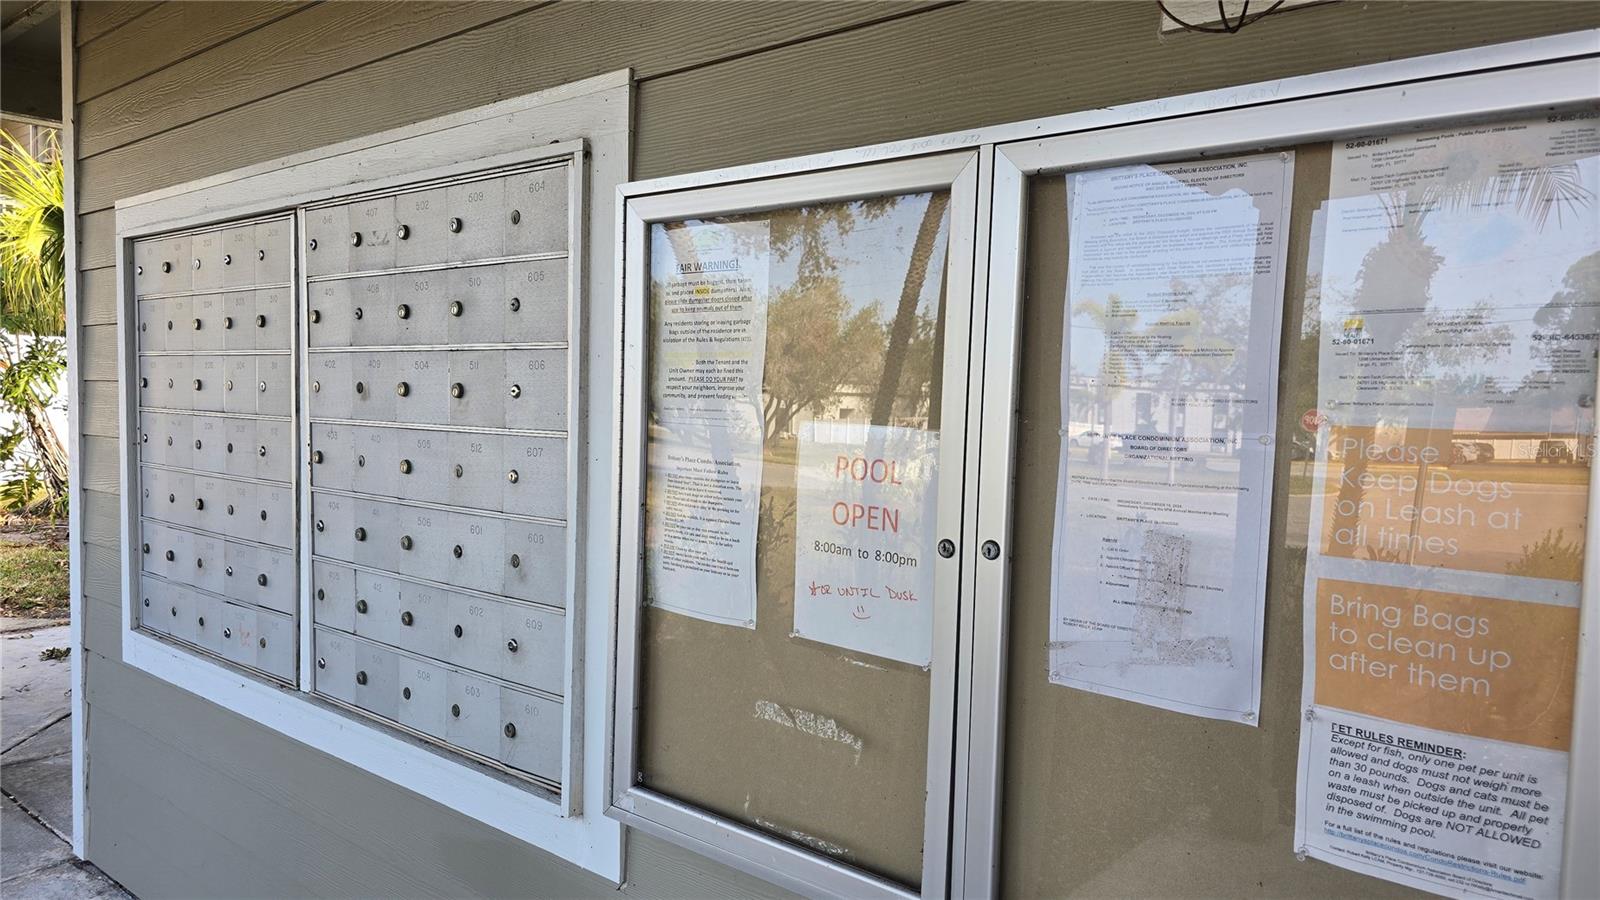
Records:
x=32, y=240
x=33, y=312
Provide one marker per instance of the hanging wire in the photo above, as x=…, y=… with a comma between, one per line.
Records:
x=1224, y=26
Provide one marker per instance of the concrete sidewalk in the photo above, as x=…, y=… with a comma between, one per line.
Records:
x=36, y=861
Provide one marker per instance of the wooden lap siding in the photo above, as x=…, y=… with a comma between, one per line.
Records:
x=185, y=798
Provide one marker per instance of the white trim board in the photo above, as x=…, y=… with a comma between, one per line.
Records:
x=592, y=119
x=75, y=493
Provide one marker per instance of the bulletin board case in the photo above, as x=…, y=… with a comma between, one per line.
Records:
x=996, y=719
x=792, y=855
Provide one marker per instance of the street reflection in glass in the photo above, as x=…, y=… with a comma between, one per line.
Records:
x=830, y=325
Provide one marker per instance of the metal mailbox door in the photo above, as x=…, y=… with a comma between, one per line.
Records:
x=206, y=377
x=477, y=219
x=333, y=672
x=333, y=460
x=332, y=386
x=424, y=618
x=239, y=444
x=237, y=308
x=373, y=388
x=534, y=308
x=273, y=386
x=179, y=324
x=476, y=399
x=420, y=394
x=373, y=313
x=475, y=310
x=425, y=543
x=530, y=733
x=238, y=634
x=533, y=650
x=271, y=252
x=473, y=626
x=424, y=696
x=534, y=562
x=238, y=260
x=419, y=308
x=333, y=526
x=424, y=465
x=327, y=244
x=475, y=555
x=533, y=470
x=535, y=389
x=273, y=452
x=371, y=238
x=474, y=722
x=239, y=385
x=476, y=477
x=377, y=607
x=333, y=595
x=536, y=212
x=330, y=317
x=377, y=676
x=376, y=460
x=275, y=644
x=239, y=499
x=209, y=331
x=423, y=227
x=269, y=321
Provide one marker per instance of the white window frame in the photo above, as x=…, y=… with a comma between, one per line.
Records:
x=1492, y=81
x=595, y=115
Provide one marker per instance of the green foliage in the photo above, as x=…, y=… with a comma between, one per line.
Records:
x=30, y=382
x=25, y=488
x=1551, y=557
x=27, y=386
x=32, y=240
x=824, y=345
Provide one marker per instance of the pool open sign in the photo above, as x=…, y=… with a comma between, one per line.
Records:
x=864, y=543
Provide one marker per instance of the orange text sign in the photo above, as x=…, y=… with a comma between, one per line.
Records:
x=1428, y=497
x=1499, y=669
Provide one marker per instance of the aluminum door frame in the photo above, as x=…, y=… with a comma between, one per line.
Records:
x=1343, y=110
x=737, y=845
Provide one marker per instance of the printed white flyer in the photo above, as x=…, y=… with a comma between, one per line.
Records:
x=866, y=509
x=708, y=299
x=1168, y=408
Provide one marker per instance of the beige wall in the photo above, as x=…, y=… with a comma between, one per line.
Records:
x=188, y=799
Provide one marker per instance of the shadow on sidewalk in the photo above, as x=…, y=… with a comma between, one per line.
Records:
x=36, y=861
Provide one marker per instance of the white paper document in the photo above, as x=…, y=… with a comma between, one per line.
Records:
x=1448, y=513
x=1168, y=407
x=866, y=507
x=709, y=296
